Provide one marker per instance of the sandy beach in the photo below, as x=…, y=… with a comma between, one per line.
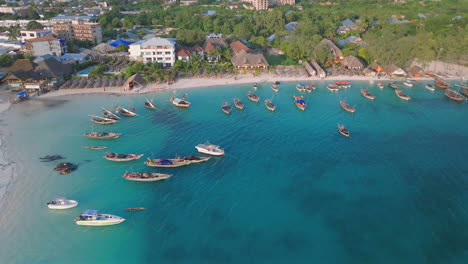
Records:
x=188, y=83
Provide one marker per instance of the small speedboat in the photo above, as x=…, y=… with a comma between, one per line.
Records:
x=92, y=218
x=430, y=87
x=209, y=149
x=408, y=83
x=226, y=108
x=269, y=105
x=367, y=94
x=402, y=95
x=196, y=159
x=61, y=203
x=126, y=112
x=167, y=163
x=122, y=157
x=149, y=104
x=252, y=97
x=300, y=103
x=238, y=104
x=102, y=135
x=347, y=107
x=146, y=176
x=343, y=131
x=274, y=88
x=380, y=85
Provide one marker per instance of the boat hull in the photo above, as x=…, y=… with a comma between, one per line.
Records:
x=135, y=157
x=99, y=223
x=72, y=203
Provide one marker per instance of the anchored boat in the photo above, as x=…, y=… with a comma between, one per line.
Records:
x=122, y=157
x=380, y=85
x=343, y=131
x=149, y=104
x=402, y=95
x=300, y=103
x=108, y=114
x=94, y=147
x=269, y=105
x=347, y=107
x=252, y=97
x=393, y=85
x=61, y=203
x=102, y=135
x=146, y=176
x=332, y=87
x=126, y=112
x=430, y=87
x=274, y=88
x=180, y=102
x=210, y=149
x=226, y=108
x=300, y=87
x=367, y=94
x=238, y=104
x=454, y=95
x=196, y=159
x=167, y=163
x=102, y=120
x=92, y=218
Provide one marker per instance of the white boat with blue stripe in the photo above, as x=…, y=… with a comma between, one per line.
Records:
x=92, y=218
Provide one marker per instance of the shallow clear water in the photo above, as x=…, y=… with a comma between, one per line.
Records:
x=290, y=188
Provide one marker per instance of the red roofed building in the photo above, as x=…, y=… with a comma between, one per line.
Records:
x=43, y=46
x=183, y=54
x=210, y=47
x=198, y=50
x=237, y=46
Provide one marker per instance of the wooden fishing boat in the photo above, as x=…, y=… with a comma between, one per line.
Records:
x=465, y=91
x=196, y=159
x=134, y=209
x=226, y=108
x=238, y=104
x=274, y=88
x=380, y=85
x=252, y=97
x=167, y=163
x=94, y=147
x=367, y=94
x=393, y=85
x=180, y=102
x=308, y=89
x=149, y=105
x=269, y=105
x=63, y=166
x=430, y=87
x=68, y=170
x=332, y=87
x=454, y=95
x=102, y=120
x=347, y=107
x=102, y=135
x=300, y=103
x=313, y=86
x=300, y=87
x=126, y=112
x=20, y=97
x=343, y=131
x=254, y=86
x=343, y=84
x=122, y=157
x=402, y=95
x=441, y=84
x=108, y=114
x=145, y=176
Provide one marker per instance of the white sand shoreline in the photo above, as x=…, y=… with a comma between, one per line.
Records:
x=190, y=83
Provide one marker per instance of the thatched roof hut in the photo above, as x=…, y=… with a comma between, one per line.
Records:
x=352, y=62
x=392, y=69
x=135, y=81
x=310, y=70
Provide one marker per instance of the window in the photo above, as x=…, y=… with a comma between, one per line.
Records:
x=168, y=52
x=159, y=59
x=159, y=53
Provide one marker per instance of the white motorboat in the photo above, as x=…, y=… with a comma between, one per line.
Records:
x=61, y=203
x=408, y=83
x=209, y=149
x=92, y=218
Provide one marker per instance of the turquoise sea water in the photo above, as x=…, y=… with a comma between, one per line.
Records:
x=290, y=188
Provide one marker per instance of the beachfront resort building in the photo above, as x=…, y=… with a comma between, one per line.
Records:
x=44, y=46
x=34, y=33
x=160, y=50
x=249, y=61
x=79, y=30
x=265, y=4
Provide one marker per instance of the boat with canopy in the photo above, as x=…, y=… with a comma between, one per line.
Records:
x=300, y=103
x=347, y=107
x=92, y=218
x=122, y=157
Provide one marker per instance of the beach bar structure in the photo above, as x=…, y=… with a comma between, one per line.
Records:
x=249, y=61
x=134, y=82
x=352, y=62
x=320, y=72
x=25, y=80
x=393, y=70
x=310, y=70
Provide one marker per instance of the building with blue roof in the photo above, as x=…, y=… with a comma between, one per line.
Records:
x=119, y=42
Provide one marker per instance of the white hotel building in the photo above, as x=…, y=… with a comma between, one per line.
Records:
x=158, y=50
